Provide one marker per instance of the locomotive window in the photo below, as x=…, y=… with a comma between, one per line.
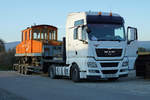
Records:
x=34, y=35
x=30, y=35
x=54, y=34
x=46, y=36
x=42, y=36
x=22, y=36
x=50, y=35
x=38, y=35
x=25, y=35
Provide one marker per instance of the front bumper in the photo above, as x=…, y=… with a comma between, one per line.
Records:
x=106, y=72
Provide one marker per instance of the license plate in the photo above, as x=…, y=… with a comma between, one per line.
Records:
x=110, y=75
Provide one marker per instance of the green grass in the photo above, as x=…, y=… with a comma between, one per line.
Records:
x=144, y=53
x=6, y=68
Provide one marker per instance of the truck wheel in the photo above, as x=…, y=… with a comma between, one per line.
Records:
x=51, y=72
x=75, y=74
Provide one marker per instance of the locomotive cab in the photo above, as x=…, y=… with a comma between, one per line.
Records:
x=44, y=33
x=38, y=41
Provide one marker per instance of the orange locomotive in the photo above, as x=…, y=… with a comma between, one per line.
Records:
x=39, y=44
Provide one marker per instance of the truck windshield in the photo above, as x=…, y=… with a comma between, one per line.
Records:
x=106, y=32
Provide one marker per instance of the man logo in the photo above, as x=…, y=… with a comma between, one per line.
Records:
x=109, y=52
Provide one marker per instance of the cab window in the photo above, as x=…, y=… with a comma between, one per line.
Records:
x=75, y=36
x=83, y=33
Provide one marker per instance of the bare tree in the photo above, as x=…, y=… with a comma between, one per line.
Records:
x=2, y=46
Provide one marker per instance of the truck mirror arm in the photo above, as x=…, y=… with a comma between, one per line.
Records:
x=84, y=41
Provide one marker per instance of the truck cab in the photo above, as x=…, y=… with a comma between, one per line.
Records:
x=97, y=45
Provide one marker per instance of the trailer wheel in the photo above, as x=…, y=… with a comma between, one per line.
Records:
x=22, y=70
x=18, y=70
x=75, y=73
x=26, y=71
x=14, y=68
x=44, y=68
x=51, y=72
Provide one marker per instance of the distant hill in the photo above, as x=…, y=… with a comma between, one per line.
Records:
x=11, y=45
x=144, y=44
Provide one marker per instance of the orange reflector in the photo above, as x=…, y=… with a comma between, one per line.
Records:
x=99, y=13
x=110, y=13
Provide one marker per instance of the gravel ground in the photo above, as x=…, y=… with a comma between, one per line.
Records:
x=5, y=95
x=40, y=87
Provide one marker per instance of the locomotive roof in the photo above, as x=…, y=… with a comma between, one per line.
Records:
x=36, y=26
x=42, y=26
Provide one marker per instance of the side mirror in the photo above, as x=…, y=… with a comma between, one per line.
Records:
x=81, y=35
x=131, y=34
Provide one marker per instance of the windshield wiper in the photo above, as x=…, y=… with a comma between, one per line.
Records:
x=109, y=40
x=106, y=40
x=102, y=40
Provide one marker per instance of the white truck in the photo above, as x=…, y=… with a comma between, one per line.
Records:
x=96, y=46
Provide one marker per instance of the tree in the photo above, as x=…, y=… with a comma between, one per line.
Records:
x=2, y=46
x=141, y=49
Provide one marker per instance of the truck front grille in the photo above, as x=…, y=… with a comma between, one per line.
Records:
x=109, y=71
x=109, y=52
x=109, y=64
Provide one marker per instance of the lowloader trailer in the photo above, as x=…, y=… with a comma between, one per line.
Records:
x=95, y=46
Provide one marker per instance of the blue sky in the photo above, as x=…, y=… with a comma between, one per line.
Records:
x=16, y=15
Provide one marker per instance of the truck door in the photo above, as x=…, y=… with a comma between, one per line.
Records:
x=132, y=46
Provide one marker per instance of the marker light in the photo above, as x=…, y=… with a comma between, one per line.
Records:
x=99, y=13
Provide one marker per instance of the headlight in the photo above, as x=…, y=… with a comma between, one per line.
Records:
x=92, y=64
x=125, y=63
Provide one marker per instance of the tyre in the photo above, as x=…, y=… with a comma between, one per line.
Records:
x=19, y=69
x=140, y=73
x=75, y=73
x=147, y=75
x=147, y=67
x=22, y=70
x=45, y=68
x=14, y=68
x=51, y=72
x=25, y=71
